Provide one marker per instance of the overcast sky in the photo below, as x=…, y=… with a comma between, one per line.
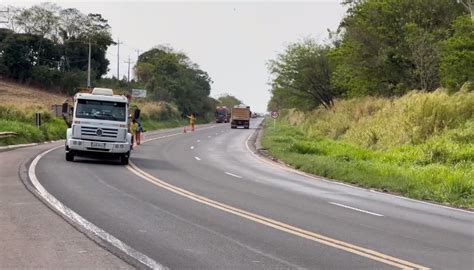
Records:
x=232, y=41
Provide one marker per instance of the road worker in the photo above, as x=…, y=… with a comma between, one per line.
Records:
x=134, y=131
x=192, y=120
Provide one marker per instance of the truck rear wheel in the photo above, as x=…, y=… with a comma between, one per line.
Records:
x=69, y=156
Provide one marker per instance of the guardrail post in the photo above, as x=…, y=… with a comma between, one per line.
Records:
x=38, y=119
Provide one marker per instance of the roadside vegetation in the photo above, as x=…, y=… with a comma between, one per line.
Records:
x=420, y=145
x=386, y=103
x=18, y=105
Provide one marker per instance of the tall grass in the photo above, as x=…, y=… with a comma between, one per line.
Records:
x=157, y=110
x=381, y=123
x=420, y=145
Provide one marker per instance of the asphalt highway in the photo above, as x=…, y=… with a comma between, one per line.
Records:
x=203, y=200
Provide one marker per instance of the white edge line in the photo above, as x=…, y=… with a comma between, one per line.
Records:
x=197, y=158
x=76, y=218
x=347, y=185
x=356, y=209
x=234, y=175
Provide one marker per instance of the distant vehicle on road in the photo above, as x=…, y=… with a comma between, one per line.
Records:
x=99, y=127
x=240, y=116
x=222, y=114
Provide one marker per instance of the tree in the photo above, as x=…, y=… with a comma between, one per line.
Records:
x=47, y=44
x=71, y=22
x=457, y=60
x=425, y=56
x=228, y=100
x=21, y=52
x=390, y=46
x=144, y=72
x=39, y=20
x=71, y=30
x=171, y=76
x=302, y=75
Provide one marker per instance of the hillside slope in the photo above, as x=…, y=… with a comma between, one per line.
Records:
x=19, y=103
x=18, y=95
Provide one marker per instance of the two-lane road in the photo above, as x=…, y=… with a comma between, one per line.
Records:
x=203, y=200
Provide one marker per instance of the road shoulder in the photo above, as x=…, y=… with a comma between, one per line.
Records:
x=33, y=236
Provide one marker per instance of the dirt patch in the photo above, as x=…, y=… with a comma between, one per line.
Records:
x=23, y=96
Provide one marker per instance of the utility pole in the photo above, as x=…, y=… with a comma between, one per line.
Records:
x=138, y=56
x=4, y=16
x=128, y=62
x=89, y=67
x=118, y=58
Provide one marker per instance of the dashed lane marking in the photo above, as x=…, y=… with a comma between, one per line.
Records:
x=234, y=175
x=356, y=209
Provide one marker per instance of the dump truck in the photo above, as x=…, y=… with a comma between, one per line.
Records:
x=240, y=116
x=222, y=114
x=99, y=126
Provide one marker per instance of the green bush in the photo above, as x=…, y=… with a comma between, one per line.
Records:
x=27, y=133
x=23, y=123
x=47, y=77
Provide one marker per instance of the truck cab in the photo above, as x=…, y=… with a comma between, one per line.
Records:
x=222, y=114
x=99, y=127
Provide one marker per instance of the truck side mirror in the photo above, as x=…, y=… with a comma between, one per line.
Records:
x=136, y=113
x=65, y=108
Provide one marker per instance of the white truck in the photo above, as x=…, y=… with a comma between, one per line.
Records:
x=99, y=126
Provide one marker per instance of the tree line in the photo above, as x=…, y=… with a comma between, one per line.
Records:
x=48, y=46
x=170, y=76
x=381, y=48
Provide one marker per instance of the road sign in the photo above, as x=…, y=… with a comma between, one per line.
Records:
x=274, y=114
x=139, y=93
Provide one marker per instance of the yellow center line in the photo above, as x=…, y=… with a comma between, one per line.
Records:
x=361, y=251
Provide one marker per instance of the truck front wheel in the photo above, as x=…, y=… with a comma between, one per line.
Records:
x=124, y=159
x=69, y=156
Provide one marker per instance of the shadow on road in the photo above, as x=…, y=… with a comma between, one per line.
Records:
x=111, y=162
x=147, y=163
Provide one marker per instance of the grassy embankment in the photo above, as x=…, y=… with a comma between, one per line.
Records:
x=420, y=145
x=18, y=105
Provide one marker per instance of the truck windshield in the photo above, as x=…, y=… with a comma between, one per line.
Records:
x=103, y=110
